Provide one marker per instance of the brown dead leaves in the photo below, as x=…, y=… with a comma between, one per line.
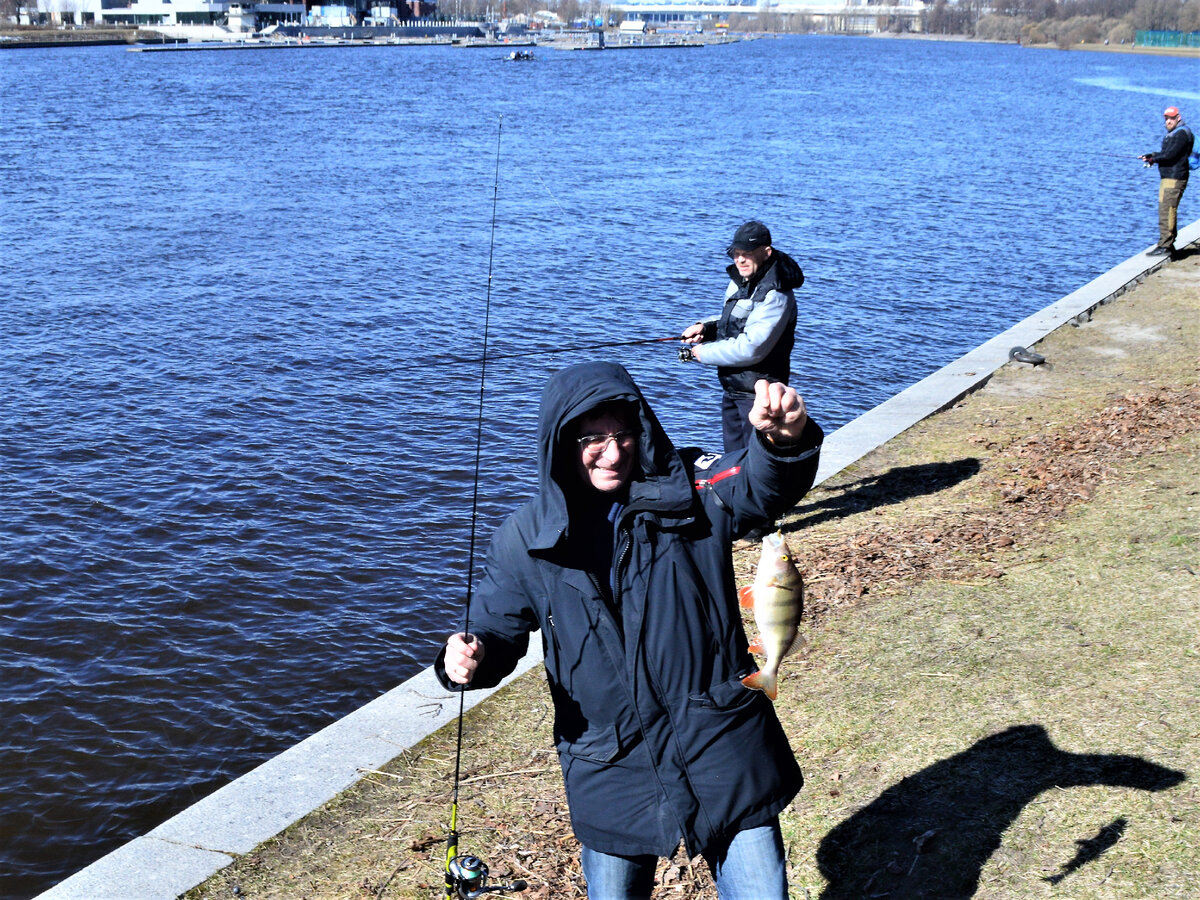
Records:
x=1026, y=484
x=540, y=847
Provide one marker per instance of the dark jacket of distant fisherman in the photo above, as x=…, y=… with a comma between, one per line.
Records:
x=753, y=336
x=657, y=737
x=1172, y=159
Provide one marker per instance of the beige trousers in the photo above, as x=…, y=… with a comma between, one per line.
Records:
x=1169, y=192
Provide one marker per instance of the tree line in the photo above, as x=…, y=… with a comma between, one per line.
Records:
x=1061, y=22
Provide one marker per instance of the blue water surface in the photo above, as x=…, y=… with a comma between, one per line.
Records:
x=243, y=292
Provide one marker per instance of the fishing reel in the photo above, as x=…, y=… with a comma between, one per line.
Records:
x=686, y=354
x=467, y=875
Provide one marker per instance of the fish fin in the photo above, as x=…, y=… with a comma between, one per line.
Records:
x=746, y=597
x=762, y=681
x=756, y=646
x=797, y=642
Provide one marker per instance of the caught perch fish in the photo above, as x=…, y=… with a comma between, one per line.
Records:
x=777, y=598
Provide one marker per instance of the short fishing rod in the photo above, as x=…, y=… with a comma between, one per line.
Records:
x=1193, y=158
x=1145, y=164
x=467, y=875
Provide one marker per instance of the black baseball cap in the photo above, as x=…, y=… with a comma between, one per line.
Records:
x=750, y=236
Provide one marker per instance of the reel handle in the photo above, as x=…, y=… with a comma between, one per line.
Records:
x=519, y=885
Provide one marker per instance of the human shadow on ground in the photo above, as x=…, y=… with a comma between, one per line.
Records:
x=930, y=835
x=893, y=486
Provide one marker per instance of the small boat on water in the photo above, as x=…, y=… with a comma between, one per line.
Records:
x=520, y=56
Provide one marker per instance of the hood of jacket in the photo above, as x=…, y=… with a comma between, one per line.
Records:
x=783, y=272
x=660, y=482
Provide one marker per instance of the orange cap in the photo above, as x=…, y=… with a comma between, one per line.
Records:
x=1171, y=112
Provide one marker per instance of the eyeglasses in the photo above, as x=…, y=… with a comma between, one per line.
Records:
x=595, y=444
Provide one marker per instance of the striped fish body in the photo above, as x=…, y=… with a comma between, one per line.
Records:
x=777, y=598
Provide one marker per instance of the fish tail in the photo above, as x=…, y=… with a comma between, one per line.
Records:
x=762, y=681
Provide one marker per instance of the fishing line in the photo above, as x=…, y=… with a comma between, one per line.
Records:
x=546, y=188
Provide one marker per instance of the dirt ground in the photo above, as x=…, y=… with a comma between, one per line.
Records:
x=999, y=693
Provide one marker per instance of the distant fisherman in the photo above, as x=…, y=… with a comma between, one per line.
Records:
x=1173, y=167
x=752, y=338
x=622, y=560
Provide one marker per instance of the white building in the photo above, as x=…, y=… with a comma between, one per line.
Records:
x=840, y=15
x=218, y=16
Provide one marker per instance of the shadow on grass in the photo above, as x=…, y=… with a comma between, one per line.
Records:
x=930, y=835
x=893, y=486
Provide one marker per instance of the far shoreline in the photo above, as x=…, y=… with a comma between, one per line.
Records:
x=16, y=38
x=1184, y=52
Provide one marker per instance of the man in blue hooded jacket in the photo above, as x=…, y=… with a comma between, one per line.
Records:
x=623, y=562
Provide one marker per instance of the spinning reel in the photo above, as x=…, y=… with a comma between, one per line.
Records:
x=466, y=877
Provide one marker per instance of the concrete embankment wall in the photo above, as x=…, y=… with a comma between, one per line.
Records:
x=191, y=846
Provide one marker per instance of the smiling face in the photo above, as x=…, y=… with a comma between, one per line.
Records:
x=606, y=443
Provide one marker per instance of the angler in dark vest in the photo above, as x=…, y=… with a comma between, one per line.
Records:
x=1173, y=162
x=752, y=338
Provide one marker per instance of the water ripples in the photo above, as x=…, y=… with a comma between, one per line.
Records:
x=239, y=376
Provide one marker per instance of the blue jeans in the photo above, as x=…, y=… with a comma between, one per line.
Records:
x=751, y=867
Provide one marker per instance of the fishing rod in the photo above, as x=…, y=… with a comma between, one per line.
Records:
x=1146, y=164
x=1113, y=155
x=574, y=349
x=466, y=874
x=1193, y=158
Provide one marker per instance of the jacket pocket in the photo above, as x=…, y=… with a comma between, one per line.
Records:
x=599, y=743
x=725, y=695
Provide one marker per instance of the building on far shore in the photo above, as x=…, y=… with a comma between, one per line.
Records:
x=842, y=16
x=239, y=16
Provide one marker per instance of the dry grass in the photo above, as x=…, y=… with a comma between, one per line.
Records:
x=1000, y=692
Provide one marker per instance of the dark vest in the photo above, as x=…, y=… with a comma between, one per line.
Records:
x=783, y=275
